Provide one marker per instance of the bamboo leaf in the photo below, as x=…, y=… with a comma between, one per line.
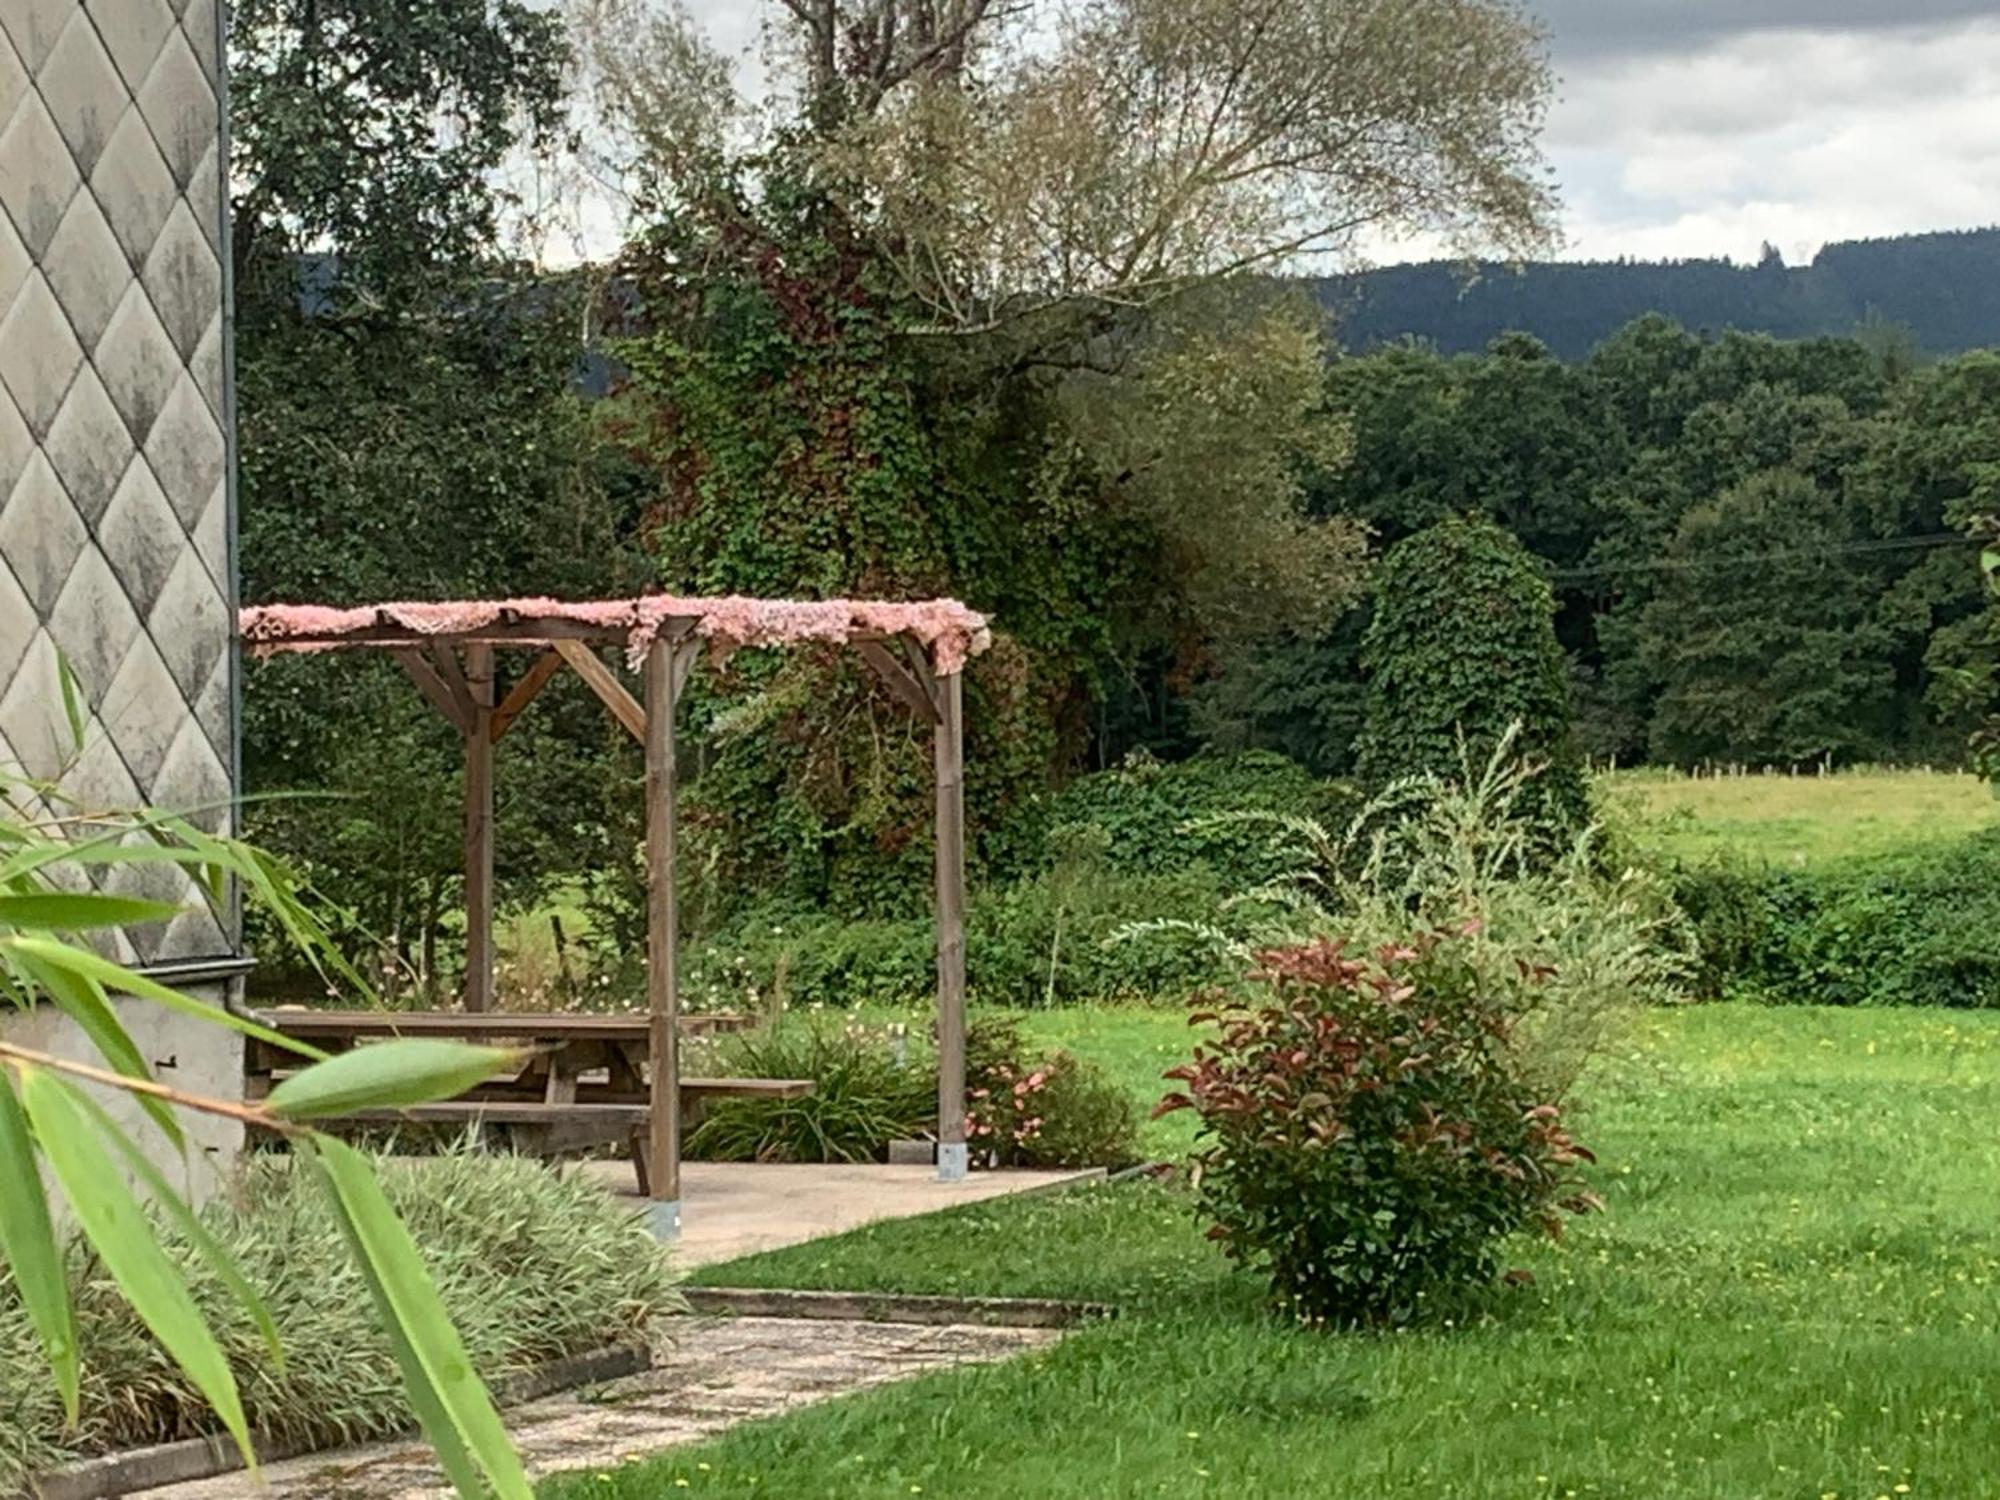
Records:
x=28, y=1242
x=447, y=1393
x=118, y=979
x=80, y=911
x=124, y=1239
x=72, y=697
x=84, y=1002
x=206, y=1245
x=388, y=1075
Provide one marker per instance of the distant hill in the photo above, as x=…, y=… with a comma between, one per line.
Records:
x=1943, y=288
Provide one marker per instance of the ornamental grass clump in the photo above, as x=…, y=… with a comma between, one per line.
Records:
x=1367, y=1137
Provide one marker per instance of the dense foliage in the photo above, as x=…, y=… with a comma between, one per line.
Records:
x=1917, y=927
x=878, y=1084
x=1754, y=544
x=1460, y=656
x=1157, y=483
x=1366, y=1139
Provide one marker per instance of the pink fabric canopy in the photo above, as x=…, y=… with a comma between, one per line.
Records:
x=949, y=631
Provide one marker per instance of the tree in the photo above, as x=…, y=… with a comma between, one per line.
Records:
x=1762, y=635
x=969, y=311
x=407, y=428
x=1002, y=158
x=1460, y=649
x=1936, y=464
x=368, y=131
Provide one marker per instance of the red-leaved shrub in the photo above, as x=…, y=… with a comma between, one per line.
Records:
x=1366, y=1138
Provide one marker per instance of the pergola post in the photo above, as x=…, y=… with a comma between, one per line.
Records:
x=663, y=1174
x=948, y=741
x=478, y=735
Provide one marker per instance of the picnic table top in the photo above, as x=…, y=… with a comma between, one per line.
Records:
x=311, y=1022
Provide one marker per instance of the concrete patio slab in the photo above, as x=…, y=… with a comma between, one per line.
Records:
x=739, y=1208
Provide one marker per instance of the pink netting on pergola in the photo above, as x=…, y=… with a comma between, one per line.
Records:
x=947, y=630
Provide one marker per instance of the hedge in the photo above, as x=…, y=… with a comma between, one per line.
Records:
x=1918, y=927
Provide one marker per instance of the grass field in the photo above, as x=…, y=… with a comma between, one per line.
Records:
x=1793, y=1295
x=1800, y=820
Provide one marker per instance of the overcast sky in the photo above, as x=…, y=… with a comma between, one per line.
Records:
x=1706, y=127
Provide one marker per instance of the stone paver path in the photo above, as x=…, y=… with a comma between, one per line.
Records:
x=718, y=1372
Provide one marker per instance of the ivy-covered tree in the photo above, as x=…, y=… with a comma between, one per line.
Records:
x=963, y=314
x=1461, y=648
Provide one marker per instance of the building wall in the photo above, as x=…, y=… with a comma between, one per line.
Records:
x=116, y=472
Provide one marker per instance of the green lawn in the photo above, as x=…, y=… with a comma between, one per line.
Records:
x=1801, y=820
x=1793, y=1295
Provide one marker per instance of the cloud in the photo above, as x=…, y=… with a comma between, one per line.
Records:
x=1587, y=27
x=1797, y=138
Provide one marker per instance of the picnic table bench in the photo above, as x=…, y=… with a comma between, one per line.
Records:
x=584, y=1082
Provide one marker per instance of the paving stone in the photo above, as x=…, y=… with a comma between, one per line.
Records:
x=715, y=1374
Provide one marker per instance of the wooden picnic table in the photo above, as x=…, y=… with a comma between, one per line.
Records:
x=583, y=1082
x=312, y=1023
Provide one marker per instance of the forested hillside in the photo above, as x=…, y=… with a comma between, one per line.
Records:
x=1942, y=290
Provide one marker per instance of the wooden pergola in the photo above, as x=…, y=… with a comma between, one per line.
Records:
x=919, y=651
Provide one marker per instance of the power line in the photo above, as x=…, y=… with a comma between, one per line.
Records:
x=1700, y=564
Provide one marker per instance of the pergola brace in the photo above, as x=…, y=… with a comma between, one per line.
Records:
x=907, y=687
x=524, y=692
x=457, y=710
x=590, y=667
x=687, y=651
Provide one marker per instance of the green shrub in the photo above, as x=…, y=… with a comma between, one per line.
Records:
x=1576, y=943
x=1728, y=905
x=1920, y=927
x=1055, y=1110
x=1046, y=939
x=1366, y=1139
x=864, y=1096
x=1149, y=818
x=531, y=1267
x=1461, y=651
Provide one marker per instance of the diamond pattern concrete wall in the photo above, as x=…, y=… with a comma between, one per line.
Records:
x=115, y=530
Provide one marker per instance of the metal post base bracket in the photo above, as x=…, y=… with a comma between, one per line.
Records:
x=664, y=1220
x=952, y=1162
